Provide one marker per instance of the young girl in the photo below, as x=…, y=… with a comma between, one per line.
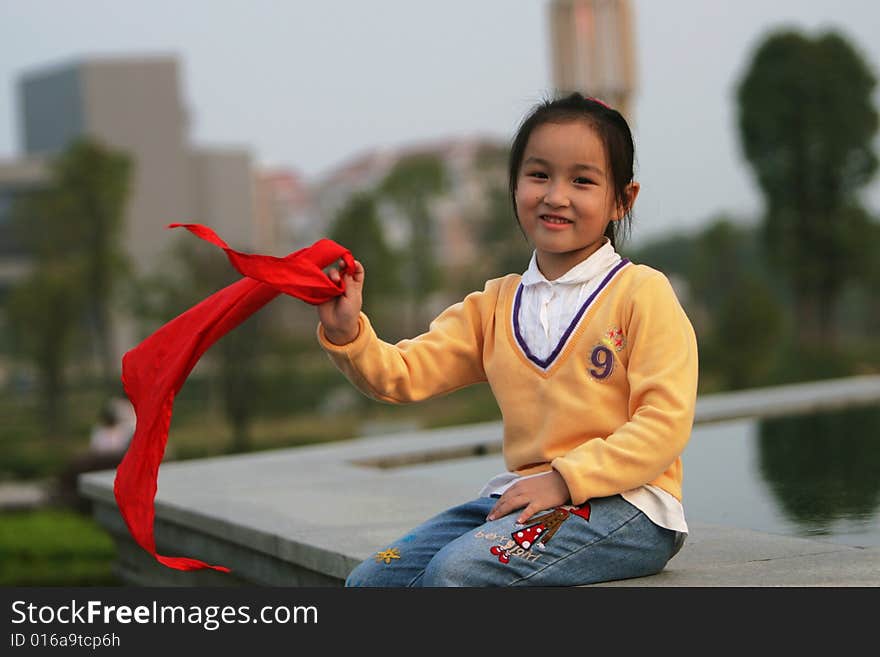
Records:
x=594, y=366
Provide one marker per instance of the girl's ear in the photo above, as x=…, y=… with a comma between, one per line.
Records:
x=632, y=191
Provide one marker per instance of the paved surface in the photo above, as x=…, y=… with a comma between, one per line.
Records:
x=22, y=495
x=320, y=510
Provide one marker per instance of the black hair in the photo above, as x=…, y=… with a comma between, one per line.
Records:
x=612, y=129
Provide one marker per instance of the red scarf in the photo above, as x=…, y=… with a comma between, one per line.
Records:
x=155, y=370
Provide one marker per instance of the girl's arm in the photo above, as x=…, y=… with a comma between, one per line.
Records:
x=447, y=357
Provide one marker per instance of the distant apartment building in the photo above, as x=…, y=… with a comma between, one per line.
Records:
x=222, y=188
x=456, y=213
x=283, y=212
x=134, y=104
x=593, y=50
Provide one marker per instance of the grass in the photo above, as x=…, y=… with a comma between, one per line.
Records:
x=58, y=547
x=199, y=428
x=27, y=452
x=209, y=434
x=54, y=547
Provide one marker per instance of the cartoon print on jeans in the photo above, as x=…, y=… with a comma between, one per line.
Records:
x=539, y=530
x=502, y=551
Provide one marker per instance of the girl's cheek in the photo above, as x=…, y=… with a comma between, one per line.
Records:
x=526, y=195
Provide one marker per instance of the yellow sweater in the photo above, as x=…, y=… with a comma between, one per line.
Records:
x=610, y=409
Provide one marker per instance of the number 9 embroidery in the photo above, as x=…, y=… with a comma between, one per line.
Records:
x=602, y=359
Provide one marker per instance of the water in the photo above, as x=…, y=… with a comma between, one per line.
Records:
x=815, y=476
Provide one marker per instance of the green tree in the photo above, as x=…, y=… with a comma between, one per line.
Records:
x=502, y=242
x=870, y=278
x=43, y=312
x=720, y=255
x=358, y=228
x=735, y=306
x=505, y=247
x=70, y=230
x=411, y=185
x=672, y=254
x=239, y=373
x=748, y=327
x=745, y=317
x=78, y=218
x=806, y=123
x=95, y=183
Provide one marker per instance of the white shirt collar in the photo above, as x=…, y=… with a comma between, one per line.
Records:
x=599, y=262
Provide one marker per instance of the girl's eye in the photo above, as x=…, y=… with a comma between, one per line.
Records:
x=537, y=174
x=582, y=181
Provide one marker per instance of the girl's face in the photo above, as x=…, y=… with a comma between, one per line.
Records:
x=564, y=195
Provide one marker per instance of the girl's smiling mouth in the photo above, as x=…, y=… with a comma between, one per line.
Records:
x=555, y=220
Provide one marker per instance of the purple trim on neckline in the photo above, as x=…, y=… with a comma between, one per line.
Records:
x=545, y=363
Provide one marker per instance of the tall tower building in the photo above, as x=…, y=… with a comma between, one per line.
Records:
x=593, y=50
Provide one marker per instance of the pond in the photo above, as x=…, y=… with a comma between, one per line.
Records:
x=810, y=475
x=815, y=476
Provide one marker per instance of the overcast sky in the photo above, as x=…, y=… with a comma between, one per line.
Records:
x=306, y=85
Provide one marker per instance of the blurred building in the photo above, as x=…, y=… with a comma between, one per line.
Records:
x=283, y=213
x=593, y=50
x=456, y=212
x=16, y=178
x=135, y=105
x=221, y=184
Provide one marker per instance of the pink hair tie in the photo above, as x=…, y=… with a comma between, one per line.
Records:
x=602, y=103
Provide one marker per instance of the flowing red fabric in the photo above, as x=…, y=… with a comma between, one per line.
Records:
x=155, y=370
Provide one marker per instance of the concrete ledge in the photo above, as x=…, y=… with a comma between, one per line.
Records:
x=307, y=516
x=723, y=556
x=23, y=495
x=788, y=400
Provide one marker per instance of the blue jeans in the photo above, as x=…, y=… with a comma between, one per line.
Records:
x=605, y=539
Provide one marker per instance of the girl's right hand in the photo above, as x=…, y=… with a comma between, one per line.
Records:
x=339, y=316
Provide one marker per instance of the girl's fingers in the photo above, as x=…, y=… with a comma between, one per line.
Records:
x=527, y=513
x=505, y=505
x=496, y=510
x=358, y=273
x=356, y=277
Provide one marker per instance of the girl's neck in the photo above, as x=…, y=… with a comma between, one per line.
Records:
x=554, y=265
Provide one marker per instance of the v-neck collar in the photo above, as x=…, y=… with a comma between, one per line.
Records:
x=545, y=363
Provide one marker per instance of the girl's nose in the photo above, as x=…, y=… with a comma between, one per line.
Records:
x=556, y=197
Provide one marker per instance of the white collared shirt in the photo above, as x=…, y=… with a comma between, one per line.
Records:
x=547, y=307
x=546, y=311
